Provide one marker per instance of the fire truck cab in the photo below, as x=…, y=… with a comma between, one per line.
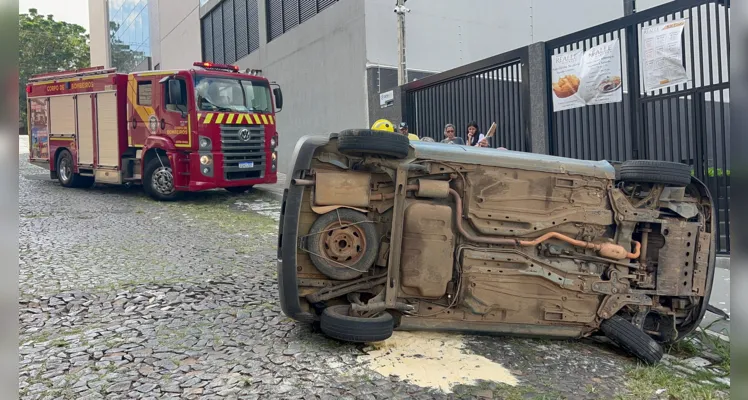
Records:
x=171, y=131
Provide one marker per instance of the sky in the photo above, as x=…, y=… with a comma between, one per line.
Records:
x=70, y=11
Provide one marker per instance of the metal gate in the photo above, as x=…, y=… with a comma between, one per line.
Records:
x=487, y=91
x=687, y=123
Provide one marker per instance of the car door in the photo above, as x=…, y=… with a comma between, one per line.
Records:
x=142, y=119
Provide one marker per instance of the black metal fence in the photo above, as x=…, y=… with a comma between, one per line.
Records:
x=687, y=123
x=488, y=91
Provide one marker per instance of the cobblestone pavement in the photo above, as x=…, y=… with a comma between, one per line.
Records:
x=124, y=297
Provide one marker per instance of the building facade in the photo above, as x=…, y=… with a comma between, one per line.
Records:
x=332, y=58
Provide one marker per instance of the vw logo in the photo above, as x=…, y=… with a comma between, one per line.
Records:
x=244, y=135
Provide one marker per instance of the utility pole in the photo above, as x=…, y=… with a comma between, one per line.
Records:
x=402, y=71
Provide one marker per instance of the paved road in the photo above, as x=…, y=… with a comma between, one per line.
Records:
x=124, y=297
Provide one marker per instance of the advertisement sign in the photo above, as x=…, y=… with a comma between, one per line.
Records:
x=39, y=123
x=662, y=55
x=587, y=78
x=565, y=73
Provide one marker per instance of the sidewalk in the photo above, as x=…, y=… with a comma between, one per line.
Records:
x=720, y=297
x=275, y=190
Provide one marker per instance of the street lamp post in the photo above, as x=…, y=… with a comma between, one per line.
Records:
x=402, y=71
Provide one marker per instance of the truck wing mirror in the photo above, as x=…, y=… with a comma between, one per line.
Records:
x=278, y=94
x=175, y=92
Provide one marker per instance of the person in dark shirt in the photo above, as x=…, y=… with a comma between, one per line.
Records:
x=474, y=136
x=450, y=138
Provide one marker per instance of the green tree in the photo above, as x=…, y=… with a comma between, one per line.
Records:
x=46, y=45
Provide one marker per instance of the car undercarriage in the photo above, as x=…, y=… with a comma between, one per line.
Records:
x=380, y=234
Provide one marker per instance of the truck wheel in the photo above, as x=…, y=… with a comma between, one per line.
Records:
x=358, y=142
x=238, y=189
x=158, y=181
x=650, y=171
x=65, y=174
x=342, y=244
x=337, y=324
x=632, y=339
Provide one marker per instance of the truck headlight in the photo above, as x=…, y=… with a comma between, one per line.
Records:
x=206, y=160
x=273, y=142
x=204, y=143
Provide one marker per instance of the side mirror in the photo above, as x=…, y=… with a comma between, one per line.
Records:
x=175, y=91
x=278, y=94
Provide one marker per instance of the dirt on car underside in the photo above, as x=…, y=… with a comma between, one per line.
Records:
x=493, y=247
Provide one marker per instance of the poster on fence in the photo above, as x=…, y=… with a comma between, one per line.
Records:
x=589, y=77
x=662, y=55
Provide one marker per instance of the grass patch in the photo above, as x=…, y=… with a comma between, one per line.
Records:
x=219, y=212
x=644, y=381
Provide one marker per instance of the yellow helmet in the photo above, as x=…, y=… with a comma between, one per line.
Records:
x=383, y=125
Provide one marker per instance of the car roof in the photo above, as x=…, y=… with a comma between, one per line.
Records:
x=511, y=159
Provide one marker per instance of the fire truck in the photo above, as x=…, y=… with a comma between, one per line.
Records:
x=172, y=131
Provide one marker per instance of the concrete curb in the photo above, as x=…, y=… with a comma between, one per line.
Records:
x=719, y=336
x=270, y=193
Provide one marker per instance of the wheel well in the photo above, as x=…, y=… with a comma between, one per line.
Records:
x=151, y=154
x=57, y=154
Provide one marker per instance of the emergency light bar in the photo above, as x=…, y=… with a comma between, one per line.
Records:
x=209, y=65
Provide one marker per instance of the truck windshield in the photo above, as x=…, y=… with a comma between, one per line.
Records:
x=226, y=94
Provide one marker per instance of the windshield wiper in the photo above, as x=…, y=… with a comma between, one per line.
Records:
x=217, y=107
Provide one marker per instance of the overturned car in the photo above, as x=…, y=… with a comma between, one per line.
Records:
x=378, y=233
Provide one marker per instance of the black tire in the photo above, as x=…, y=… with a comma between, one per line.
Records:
x=337, y=324
x=632, y=339
x=649, y=171
x=358, y=142
x=153, y=167
x=70, y=179
x=363, y=231
x=238, y=189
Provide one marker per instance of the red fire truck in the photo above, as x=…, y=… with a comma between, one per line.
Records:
x=172, y=131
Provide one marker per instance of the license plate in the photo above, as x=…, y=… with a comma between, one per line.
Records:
x=246, y=164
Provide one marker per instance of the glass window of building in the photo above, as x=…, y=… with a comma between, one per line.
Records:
x=129, y=35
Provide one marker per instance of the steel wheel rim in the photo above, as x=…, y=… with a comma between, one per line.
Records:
x=65, y=169
x=342, y=243
x=163, y=181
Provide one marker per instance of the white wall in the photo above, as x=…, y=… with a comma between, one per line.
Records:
x=154, y=32
x=642, y=5
x=99, y=33
x=553, y=18
x=321, y=67
x=178, y=33
x=444, y=34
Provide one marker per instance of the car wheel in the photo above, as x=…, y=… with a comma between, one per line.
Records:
x=158, y=181
x=342, y=244
x=632, y=339
x=65, y=174
x=649, y=171
x=338, y=324
x=359, y=142
x=238, y=189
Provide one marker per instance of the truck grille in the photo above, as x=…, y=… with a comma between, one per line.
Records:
x=237, y=152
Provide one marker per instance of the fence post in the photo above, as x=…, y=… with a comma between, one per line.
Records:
x=538, y=101
x=632, y=61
